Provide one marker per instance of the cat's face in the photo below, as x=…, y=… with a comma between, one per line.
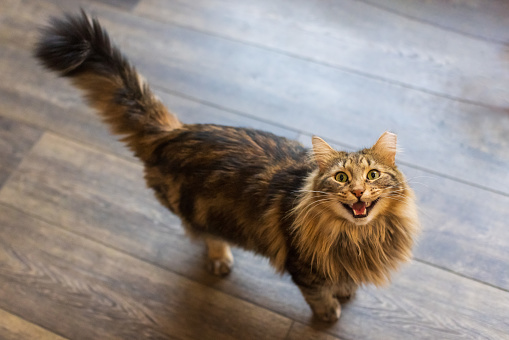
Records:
x=359, y=186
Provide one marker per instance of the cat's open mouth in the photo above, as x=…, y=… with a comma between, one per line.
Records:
x=360, y=209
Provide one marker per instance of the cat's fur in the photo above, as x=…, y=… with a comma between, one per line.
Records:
x=247, y=187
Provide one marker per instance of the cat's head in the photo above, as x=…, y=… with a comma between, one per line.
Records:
x=356, y=213
x=358, y=186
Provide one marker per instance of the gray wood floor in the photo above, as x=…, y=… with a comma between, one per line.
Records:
x=87, y=253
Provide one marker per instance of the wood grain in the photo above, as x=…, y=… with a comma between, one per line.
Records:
x=300, y=331
x=15, y=328
x=123, y=4
x=365, y=39
x=337, y=105
x=101, y=197
x=426, y=303
x=479, y=18
x=59, y=106
x=66, y=114
x=87, y=252
x=104, y=198
x=84, y=290
x=16, y=139
x=31, y=95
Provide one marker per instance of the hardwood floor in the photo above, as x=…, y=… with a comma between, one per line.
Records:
x=86, y=252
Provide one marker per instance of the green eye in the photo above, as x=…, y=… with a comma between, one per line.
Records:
x=341, y=177
x=373, y=174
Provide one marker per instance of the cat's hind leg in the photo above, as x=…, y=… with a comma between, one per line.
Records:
x=220, y=257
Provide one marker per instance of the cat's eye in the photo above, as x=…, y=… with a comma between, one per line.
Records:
x=341, y=177
x=373, y=174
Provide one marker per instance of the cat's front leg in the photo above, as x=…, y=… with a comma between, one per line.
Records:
x=345, y=291
x=322, y=301
x=220, y=258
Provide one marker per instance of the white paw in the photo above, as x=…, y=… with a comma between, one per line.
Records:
x=220, y=267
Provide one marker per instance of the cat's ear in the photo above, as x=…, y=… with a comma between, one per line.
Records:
x=385, y=148
x=321, y=151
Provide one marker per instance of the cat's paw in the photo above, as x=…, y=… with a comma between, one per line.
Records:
x=220, y=257
x=220, y=267
x=329, y=313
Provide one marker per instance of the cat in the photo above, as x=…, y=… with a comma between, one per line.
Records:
x=333, y=220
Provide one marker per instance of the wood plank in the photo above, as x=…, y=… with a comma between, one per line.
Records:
x=22, y=19
x=337, y=105
x=81, y=289
x=61, y=110
x=122, y=4
x=32, y=96
x=59, y=106
x=492, y=257
x=13, y=8
x=361, y=38
x=334, y=104
x=16, y=139
x=486, y=19
x=300, y=331
x=194, y=112
x=15, y=328
x=101, y=197
x=462, y=229
x=426, y=303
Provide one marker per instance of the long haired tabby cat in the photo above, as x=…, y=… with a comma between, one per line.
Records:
x=333, y=220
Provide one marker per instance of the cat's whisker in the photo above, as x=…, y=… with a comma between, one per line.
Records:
x=421, y=176
x=308, y=207
x=316, y=203
x=394, y=188
x=397, y=196
x=315, y=191
x=398, y=200
x=423, y=184
x=412, y=182
x=396, y=192
x=312, y=206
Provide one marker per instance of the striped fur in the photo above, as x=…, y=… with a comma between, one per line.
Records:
x=247, y=187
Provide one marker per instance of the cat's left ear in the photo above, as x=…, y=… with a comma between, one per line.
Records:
x=322, y=152
x=385, y=148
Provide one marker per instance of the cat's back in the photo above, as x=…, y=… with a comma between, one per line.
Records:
x=228, y=181
x=208, y=147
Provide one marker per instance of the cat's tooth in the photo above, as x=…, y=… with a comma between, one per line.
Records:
x=368, y=204
x=360, y=213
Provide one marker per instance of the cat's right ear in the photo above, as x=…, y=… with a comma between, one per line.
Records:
x=321, y=151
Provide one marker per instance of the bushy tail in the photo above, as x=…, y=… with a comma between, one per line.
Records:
x=79, y=48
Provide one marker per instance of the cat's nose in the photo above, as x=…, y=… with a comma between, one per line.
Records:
x=358, y=192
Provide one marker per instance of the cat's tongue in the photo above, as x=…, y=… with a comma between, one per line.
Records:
x=359, y=208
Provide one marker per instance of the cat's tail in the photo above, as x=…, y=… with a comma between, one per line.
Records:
x=79, y=48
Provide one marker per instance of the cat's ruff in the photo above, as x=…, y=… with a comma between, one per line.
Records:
x=333, y=220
